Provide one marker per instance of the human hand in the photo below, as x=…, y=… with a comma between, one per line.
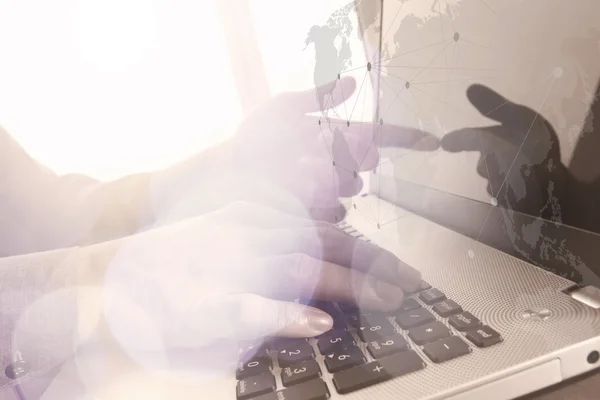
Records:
x=283, y=157
x=520, y=158
x=233, y=275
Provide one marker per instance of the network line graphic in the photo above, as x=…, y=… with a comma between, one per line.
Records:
x=417, y=81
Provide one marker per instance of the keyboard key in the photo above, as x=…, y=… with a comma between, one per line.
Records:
x=253, y=367
x=255, y=386
x=328, y=341
x=447, y=308
x=253, y=351
x=378, y=371
x=484, y=336
x=464, y=321
x=414, y=318
x=312, y=390
x=348, y=308
x=446, y=349
x=279, y=344
x=429, y=332
x=387, y=346
x=423, y=286
x=432, y=296
x=293, y=352
x=373, y=327
x=409, y=305
x=301, y=372
x=344, y=358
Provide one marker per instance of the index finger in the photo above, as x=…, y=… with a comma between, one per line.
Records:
x=329, y=243
x=463, y=140
x=383, y=135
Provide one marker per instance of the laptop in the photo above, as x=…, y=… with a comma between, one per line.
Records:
x=490, y=321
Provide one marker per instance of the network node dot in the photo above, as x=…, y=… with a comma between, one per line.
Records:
x=354, y=205
x=338, y=76
x=407, y=84
x=378, y=226
x=319, y=122
x=471, y=253
x=557, y=72
x=381, y=121
x=336, y=218
x=456, y=36
x=355, y=174
x=368, y=66
x=494, y=201
x=334, y=163
x=347, y=123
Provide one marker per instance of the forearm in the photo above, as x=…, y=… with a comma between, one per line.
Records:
x=41, y=211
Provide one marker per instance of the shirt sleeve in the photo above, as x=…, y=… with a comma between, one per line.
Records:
x=41, y=211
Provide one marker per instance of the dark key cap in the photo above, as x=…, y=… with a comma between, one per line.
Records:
x=414, y=318
x=293, y=352
x=252, y=351
x=378, y=371
x=423, y=286
x=253, y=367
x=464, y=321
x=330, y=340
x=409, y=305
x=301, y=372
x=373, y=327
x=279, y=344
x=446, y=349
x=345, y=358
x=447, y=308
x=255, y=386
x=387, y=346
x=484, y=336
x=353, y=319
x=348, y=308
x=432, y=296
x=429, y=332
x=312, y=390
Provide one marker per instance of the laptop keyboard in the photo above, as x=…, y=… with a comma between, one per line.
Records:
x=363, y=348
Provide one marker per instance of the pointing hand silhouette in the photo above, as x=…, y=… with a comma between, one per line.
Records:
x=520, y=157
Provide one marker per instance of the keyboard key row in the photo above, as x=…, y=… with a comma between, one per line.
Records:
x=311, y=390
x=345, y=360
x=382, y=370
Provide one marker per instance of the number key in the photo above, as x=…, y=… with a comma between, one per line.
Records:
x=333, y=339
x=374, y=327
x=294, y=352
x=301, y=372
x=345, y=358
x=253, y=367
x=387, y=346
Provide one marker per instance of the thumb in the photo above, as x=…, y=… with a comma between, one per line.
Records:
x=249, y=317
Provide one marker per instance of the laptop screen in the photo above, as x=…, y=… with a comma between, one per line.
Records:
x=511, y=89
